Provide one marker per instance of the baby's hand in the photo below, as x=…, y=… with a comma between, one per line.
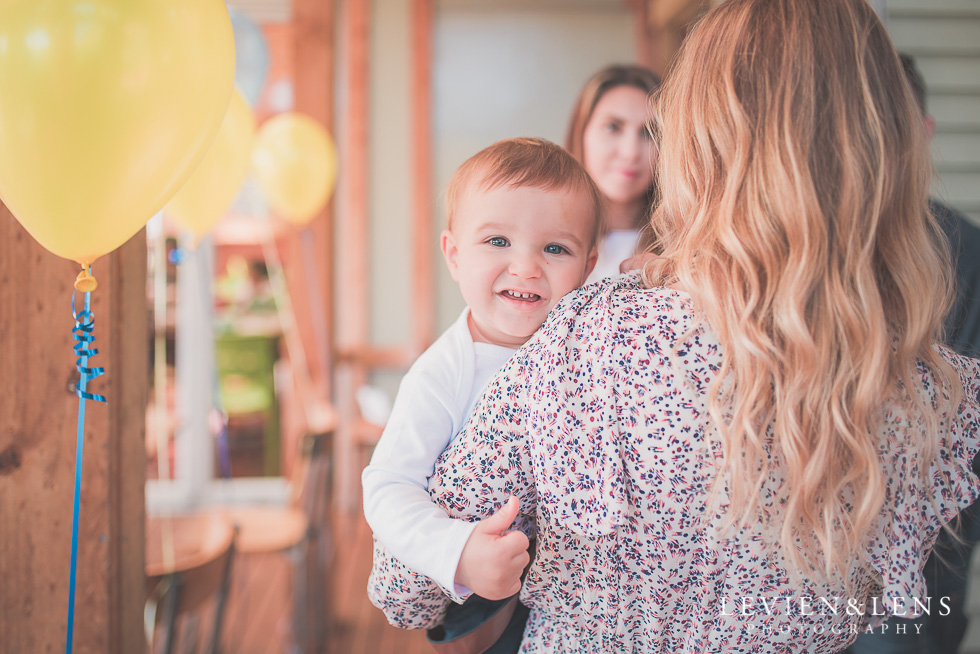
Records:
x=637, y=261
x=493, y=561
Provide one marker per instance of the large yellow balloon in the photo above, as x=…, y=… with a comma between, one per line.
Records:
x=105, y=107
x=206, y=195
x=295, y=163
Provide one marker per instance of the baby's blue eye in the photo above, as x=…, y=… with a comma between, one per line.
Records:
x=555, y=249
x=498, y=242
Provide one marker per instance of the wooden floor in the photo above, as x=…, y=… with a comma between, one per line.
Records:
x=361, y=628
x=258, y=620
x=259, y=610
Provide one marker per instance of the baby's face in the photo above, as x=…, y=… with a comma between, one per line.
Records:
x=514, y=253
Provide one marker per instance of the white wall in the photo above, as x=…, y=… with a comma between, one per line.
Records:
x=944, y=38
x=390, y=173
x=504, y=72
x=498, y=71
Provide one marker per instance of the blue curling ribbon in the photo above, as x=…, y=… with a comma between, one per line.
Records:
x=84, y=325
x=82, y=333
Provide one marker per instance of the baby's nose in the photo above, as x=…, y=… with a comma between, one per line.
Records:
x=526, y=267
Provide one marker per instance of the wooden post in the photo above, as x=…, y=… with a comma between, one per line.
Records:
x=38, y=423
x=641, y=32
x=353, y=294
x=314, y=88
x=663, y=26
x=425, y=257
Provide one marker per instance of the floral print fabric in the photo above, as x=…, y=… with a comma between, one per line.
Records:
x=599, y=426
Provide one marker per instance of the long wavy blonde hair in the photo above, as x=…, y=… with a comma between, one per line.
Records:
x=794, y=177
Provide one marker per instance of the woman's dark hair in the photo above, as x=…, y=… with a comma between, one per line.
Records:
x=598, y=85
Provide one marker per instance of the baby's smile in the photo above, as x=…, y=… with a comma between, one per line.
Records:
x=520, y=295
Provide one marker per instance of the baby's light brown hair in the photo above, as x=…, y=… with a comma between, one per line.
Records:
x=524, y=162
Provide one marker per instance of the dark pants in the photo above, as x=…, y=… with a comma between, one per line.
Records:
x=463, y=618
x=946, y=572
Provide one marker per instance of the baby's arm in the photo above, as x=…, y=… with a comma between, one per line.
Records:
x=473, y=478
x=396, y=504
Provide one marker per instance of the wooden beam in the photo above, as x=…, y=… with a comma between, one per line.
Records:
x=673, y=14
x=663, y=26
x=314, y=82
x=127, y=355
x=353, y=289
x=641, y=32
x=38, y=423
x=423, y=223
x=397, y=358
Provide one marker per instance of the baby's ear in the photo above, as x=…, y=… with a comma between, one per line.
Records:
x=450, y=251
x=590, y=262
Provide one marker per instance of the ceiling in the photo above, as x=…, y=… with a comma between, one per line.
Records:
x=264, y=11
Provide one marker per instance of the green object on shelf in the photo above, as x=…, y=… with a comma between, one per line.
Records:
x=247, y=383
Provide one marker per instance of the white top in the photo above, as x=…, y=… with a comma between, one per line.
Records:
x=616, y=247
x=432, y=406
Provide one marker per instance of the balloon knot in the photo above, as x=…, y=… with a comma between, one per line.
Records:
x=176, y=256
x=85, y=282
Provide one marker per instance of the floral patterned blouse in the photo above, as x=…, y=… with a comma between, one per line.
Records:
x=598, y=424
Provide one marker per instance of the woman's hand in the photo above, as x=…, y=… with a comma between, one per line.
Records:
x=494, y=559
x=637, y=261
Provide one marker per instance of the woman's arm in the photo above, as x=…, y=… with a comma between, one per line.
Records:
x=489, y=461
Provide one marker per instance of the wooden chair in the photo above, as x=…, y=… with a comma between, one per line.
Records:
x=303, y=529
x=188, y=562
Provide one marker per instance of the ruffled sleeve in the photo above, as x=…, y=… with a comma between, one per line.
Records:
x=913, y=514
x=409, y=600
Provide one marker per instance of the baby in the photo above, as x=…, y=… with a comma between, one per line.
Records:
x=523, y=225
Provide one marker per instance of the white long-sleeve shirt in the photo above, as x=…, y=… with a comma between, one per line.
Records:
x=433, y=404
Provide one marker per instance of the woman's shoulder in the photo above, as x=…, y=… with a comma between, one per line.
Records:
x=624, y=302
x=614, y=313
x=967, y=368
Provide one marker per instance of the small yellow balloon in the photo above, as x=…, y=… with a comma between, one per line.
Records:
x=212, y=186
x=105, y=107
x=295, y=163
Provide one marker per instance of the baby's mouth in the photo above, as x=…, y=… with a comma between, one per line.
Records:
x=521, y=296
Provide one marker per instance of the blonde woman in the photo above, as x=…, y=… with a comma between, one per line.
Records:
x=752, y=446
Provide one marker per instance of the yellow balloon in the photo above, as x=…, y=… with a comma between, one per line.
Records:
x=206, y=195
x=295, y=163
x=105, y=108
